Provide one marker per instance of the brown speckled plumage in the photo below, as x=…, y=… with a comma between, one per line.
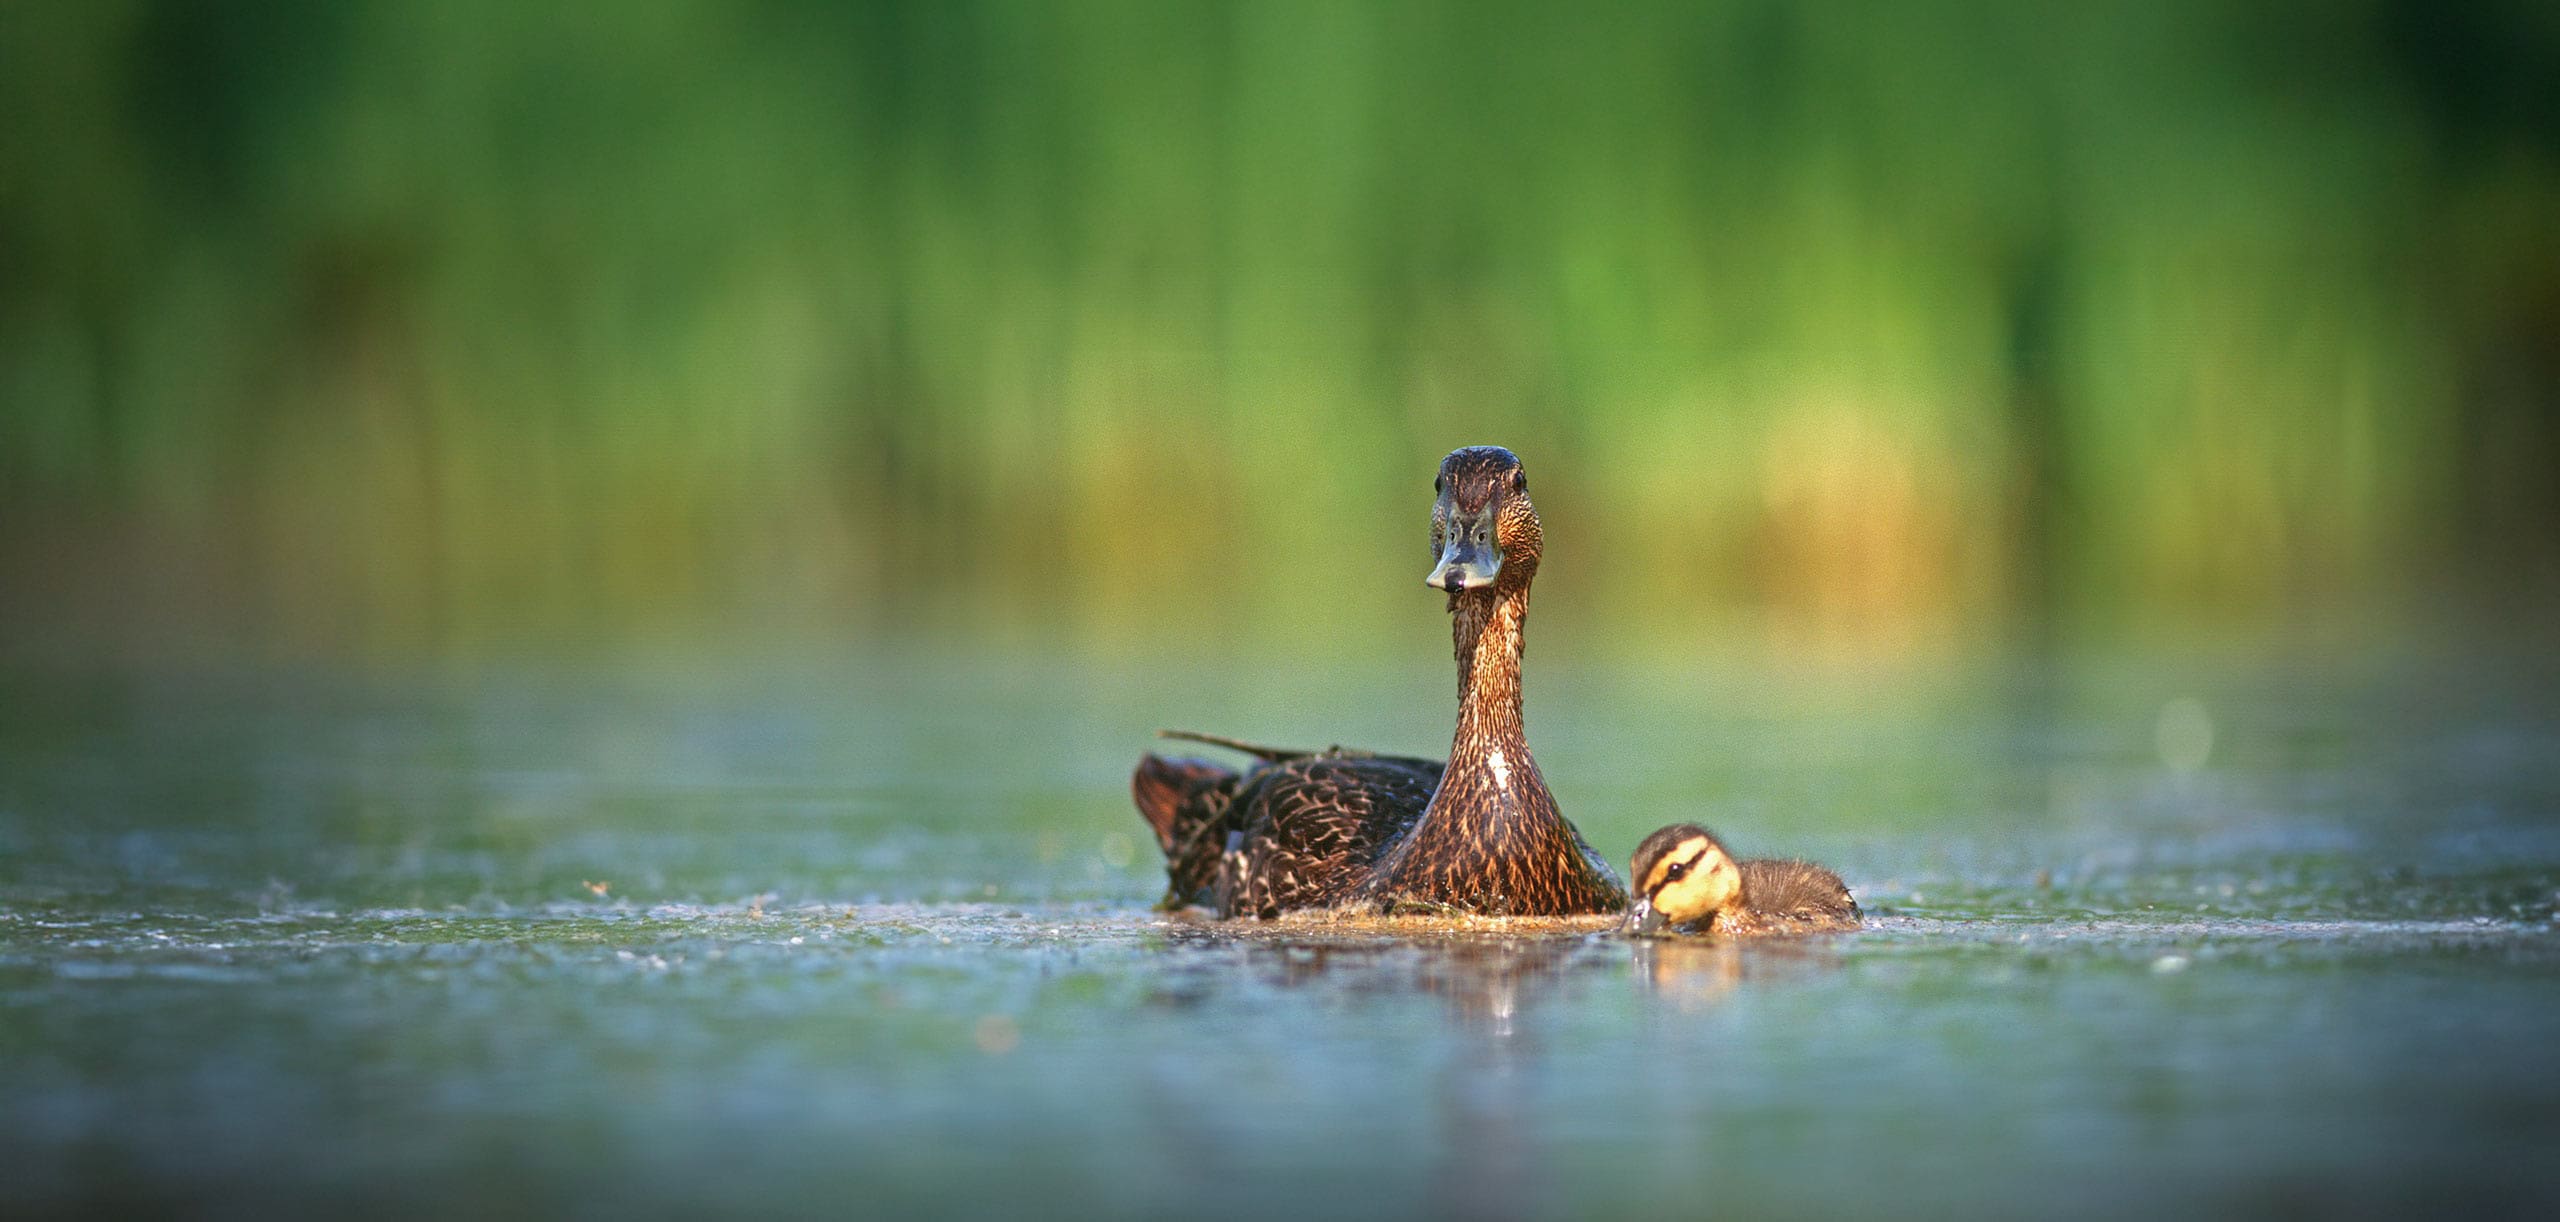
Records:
x=1188, y=803
x=1316, y=819
x=1483, y=835
x=1312, y=829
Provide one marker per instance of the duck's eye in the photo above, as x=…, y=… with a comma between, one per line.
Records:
x=1678, y=871
x=1519, y=481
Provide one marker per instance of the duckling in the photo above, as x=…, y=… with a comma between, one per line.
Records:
x=1379, y=833
x=1688, y=883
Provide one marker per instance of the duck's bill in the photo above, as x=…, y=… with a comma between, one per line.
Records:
x=1465, y=565
x=1642, y=918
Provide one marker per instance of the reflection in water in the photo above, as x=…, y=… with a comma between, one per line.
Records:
x=1487, y=981
x=1484, y=1094
x=1485, y=1114
x=1481, y=1119
x=1695, y=973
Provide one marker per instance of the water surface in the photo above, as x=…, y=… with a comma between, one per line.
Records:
x=874, y=935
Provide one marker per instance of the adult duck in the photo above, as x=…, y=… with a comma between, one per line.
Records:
x=1356, y=831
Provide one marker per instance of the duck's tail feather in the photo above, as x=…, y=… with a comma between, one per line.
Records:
x=1165, y=791
x=1271, y=755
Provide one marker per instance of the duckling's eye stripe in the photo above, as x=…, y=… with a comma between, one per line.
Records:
x=1662, y=874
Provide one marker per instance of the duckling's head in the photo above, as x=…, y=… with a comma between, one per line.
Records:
x=1682, y=875
x=1483, y=529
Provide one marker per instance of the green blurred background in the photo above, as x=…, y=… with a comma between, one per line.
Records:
x=383, y=329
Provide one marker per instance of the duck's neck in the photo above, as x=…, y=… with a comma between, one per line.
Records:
x=1491, y=839
x=1490, y=775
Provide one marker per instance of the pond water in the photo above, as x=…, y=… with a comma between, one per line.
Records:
x=874, y=935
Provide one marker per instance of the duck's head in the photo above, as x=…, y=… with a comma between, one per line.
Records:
x=1483, y=528
x=1682, y=875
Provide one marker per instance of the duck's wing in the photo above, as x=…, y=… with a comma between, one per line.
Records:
x=1312, y=828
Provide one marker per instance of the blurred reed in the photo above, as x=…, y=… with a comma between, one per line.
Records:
x=390, y=326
